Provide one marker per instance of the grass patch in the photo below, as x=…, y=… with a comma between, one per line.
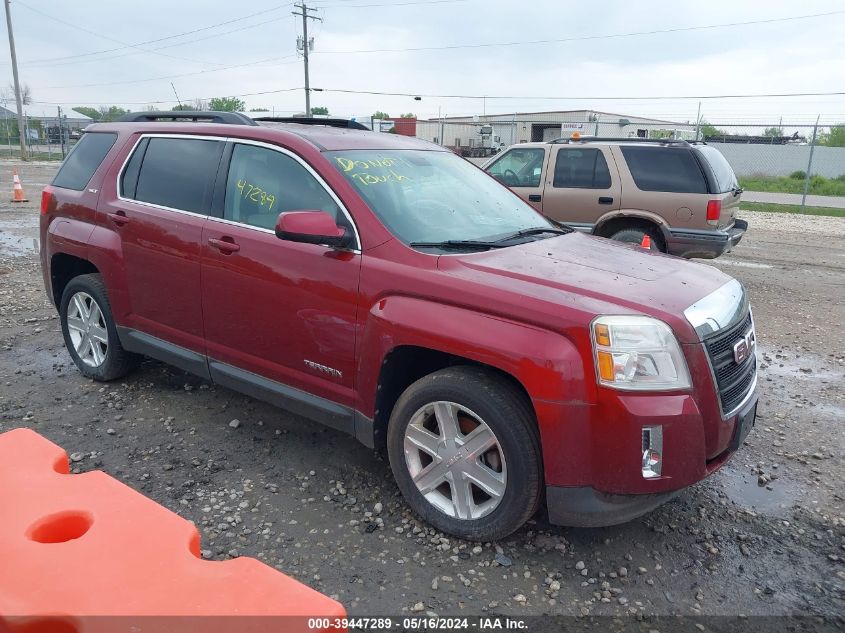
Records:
x=819, y=185
x=791, y=208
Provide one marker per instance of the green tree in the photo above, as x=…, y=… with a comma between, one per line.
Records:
x=378, y=114
x=111, y=113
x=89, y=112
x=226, y=104
x=773, y=132
x=259, y=109
x=409, y=115
x=320, y=110
x=706, y=130
x=182, y=106
x=835, y=137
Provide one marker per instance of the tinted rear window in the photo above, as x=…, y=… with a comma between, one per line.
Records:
x=84, y=159
x=178, y=173
x=672, y=169
x=581, y=169
x=723, y=173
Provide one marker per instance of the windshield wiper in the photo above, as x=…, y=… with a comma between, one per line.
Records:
x=538, y=230
x=458, y=244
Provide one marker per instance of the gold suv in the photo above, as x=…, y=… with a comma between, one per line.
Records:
x=683, y=195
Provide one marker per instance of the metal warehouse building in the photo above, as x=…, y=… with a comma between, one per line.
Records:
x=501, y=130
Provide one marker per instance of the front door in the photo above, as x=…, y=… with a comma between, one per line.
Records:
x=276, y=309
x=521, y=169
x=164, y=195
x=582, y=184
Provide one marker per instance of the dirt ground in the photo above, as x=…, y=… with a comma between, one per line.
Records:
x=764, y=536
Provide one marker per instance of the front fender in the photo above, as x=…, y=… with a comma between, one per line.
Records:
x=549, y=365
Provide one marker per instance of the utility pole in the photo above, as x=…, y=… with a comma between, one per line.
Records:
x=306, y=44
x=18, y=97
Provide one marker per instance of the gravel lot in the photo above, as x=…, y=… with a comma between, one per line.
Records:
x=764, y=536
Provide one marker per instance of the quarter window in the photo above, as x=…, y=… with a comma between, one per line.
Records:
x=671, y=169
x=263, y=183
x=581, y=169
x=84, y=159
x=519, y=167
x=174, y=172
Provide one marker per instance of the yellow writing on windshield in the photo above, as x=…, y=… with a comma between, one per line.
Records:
x=374, y=170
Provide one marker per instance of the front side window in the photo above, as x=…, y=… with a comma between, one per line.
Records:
x=83, y=160
x=263, y=183
x=519, y=167
x=582, y=168
x=433, y=196
x=670, y=169
x=177, y=173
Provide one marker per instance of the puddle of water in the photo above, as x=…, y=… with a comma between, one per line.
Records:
x=743, y=490
x=16, y=245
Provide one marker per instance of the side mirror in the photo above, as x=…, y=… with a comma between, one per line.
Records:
x=311, y=227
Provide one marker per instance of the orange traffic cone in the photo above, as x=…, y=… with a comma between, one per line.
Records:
x=646, y=243
x=18, y=190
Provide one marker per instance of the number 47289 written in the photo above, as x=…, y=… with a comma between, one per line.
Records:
x=256, y=194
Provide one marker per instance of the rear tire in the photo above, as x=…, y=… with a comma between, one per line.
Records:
x=89, y=330
x=483, y=481
x=634, y=235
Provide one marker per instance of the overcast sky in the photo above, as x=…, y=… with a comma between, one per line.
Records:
x=802, y=55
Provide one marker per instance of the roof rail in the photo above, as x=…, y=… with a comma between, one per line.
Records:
x=303, y=120
x=180, y=116
x=626, y=139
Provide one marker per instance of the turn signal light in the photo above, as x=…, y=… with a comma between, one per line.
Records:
x=714, y=211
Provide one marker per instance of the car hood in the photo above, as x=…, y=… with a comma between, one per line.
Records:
x=595, y=275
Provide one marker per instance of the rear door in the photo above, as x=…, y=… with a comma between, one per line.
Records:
x=582, y=184
x=723, y=182
x=521, y=169
x=164, y=193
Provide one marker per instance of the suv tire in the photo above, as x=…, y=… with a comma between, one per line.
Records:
x=494, y=447
x=89, y=330
x=634, y=235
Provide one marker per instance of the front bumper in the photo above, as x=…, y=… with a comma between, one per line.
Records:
x=705, y=244
x=611, y=503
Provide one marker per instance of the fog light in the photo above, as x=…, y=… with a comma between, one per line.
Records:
x=652, y=451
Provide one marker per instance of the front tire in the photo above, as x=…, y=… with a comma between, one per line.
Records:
x=89, y=330
x=465, y=451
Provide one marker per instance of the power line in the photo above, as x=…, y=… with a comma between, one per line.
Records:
x=594, y=98
x=106, y=37
x=199, y=72
x=141, y=103
x=169, y=37
x=386, y=5
x=581, y=38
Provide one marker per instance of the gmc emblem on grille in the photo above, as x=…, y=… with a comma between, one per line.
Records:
x=744, y=347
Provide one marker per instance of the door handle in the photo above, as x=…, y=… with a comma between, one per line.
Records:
x=534, y=197
x=605, y=200
x=226, y=246
x=118, y=217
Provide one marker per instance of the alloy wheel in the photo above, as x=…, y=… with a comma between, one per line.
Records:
x=87, y=329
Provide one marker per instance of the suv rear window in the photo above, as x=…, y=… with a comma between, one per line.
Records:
x=671, y=169
x=84, y=159
x=722, y=172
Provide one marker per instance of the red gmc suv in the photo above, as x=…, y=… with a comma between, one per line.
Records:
x=389, y=289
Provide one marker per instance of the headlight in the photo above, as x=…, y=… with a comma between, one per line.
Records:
x=638, y=353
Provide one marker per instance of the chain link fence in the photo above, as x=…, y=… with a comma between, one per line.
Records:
x=776, y=163
x=47, y=138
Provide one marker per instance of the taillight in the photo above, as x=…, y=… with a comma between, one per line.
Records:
x=46, y=194
x=714, y=211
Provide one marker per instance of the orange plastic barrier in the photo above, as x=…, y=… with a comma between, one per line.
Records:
x=85, y=553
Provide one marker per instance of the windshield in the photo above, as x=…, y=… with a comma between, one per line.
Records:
x=431, y=196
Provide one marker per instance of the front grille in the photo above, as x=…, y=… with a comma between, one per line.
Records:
x=734, y=380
